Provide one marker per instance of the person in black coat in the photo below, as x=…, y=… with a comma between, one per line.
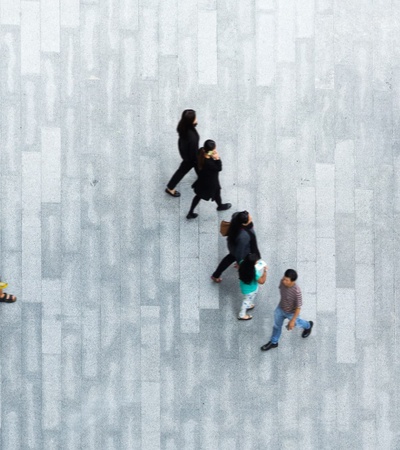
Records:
x=207, y=185
x=241, y=241
x=188, y=144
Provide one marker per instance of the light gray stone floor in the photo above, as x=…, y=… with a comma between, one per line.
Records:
x=119, y=340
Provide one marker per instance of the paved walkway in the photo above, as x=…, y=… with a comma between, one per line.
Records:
x=119, y=340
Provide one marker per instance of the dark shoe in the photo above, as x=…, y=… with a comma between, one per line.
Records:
x=268, y=346
x=191, y=216
x=8, y=298
x=224, y=207
x=307, y=333
x=175, y=194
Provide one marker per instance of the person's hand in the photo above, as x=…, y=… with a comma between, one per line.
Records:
x=215, y=155
x=291, y=325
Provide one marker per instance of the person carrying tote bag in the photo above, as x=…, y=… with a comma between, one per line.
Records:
x=241, y=240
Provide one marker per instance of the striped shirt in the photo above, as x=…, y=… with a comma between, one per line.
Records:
x=291, y=298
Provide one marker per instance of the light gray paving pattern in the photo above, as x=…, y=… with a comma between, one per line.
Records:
x=119, y=340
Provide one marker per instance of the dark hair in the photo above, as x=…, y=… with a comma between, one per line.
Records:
x=247, y=271
x=209, y=146
x=186, y=122
x=237, y=221
x=292, y=274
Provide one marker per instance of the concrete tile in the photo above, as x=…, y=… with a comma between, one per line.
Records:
x=265, y=5
x=50, y=26
x=306, y=224
x=91, y=343
x=70, y=215
x=344, y=177
x=345, y=81
x=346, y=327
x=131, y=427
x=11, y=373
x=10, y=13
x=208, y=291
x=325, y=200
x=305, y=56
x=90, y=38
x=11, y=222
x=69, y=13
x=32, y=425
x=265, y=49
x=71, y=279
x=150, y=414
x=51, y=240
x=207, y=47
x=286, y=24
x=325, y=119
x=11, y=154
x=31, y=264
x=70, y=69
x=363, y=88
x=187, y=64
x=51, y=336
x=345, y=250
x=51, y=84
x=326, y=275
x=30, y=37
x=324, y=52
x=31, y=316
x=30, y=113
x=51, y=165
x=150, y=339
x=383, y=127
x=286, y=87
x=189, y=295
x=148, y=38
x=245, y=10
x=129, y=15
x=305, y=14
x=31, y=189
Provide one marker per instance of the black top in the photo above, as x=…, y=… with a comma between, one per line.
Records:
x=207, y=185
x=243, y=244
x=188, y=145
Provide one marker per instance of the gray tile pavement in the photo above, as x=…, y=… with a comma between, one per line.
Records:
x=119, y=340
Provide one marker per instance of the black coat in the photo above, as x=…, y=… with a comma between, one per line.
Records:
x=207, y=184
x=243, y=244
x=189, y=146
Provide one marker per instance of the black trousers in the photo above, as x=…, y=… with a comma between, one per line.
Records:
x=197, y=198
x=183, y=169
x=223, y=265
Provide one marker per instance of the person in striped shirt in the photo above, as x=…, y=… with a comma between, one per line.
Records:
x=288, y=308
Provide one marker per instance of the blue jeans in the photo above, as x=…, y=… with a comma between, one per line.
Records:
x=279, y=316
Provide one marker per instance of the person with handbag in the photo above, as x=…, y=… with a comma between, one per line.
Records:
x=188, y=144
x=252, y=273
x=241, y=240
x=207, y=185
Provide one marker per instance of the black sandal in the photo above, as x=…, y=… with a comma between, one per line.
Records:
x=175, y=194
x=7, y=298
